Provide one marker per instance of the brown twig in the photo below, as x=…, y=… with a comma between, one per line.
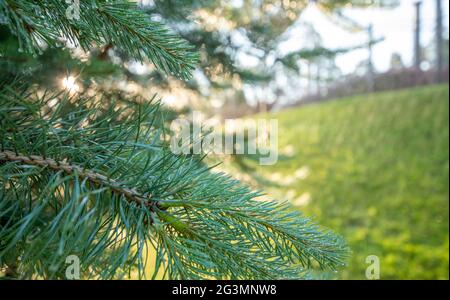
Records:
x=37, y=160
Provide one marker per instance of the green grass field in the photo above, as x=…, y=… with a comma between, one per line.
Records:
x=373, y=168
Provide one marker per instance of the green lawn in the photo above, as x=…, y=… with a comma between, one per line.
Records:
x=373, y=168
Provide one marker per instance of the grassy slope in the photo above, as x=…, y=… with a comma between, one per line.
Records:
x=378, y=175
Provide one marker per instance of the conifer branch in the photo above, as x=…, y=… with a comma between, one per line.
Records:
x=118, y=22
x=205, y=225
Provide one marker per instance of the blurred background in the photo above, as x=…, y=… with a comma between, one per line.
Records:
x=360, y=90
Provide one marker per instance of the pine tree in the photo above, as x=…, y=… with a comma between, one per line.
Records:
x=93, y=176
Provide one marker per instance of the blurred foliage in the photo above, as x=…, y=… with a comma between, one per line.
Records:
x=209, y=25
x=378, y=174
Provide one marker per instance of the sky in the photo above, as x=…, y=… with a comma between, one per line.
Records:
x=396, y=26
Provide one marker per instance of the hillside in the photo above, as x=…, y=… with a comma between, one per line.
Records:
x=373, y=168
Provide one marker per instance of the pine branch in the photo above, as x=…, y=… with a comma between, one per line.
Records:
x=117, y=22
x=206, y=225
